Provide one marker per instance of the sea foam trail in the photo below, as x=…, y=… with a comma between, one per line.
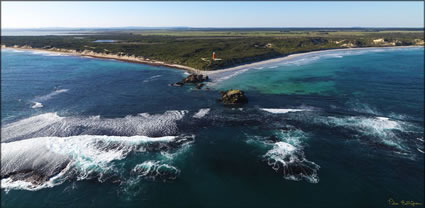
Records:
x=50, y=95
x=201, y=113
x=283, y=110
x=43, y=162
x=386, y=133
x=50, y=124
x=152, y=78
x=379, y=127
x=43, y=53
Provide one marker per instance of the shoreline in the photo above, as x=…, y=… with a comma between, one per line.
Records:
x=295, y=55
x=130, y=59
x=134, y=59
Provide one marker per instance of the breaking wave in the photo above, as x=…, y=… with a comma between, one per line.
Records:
x=156, y=170
x=283, y=110
x=201, y=113
x=359, y=107
x=378, y=127
x=51, y=124
x=285, y=154
x=290, y=161
x=48, y=53
x=356, y=106
x=43, y=162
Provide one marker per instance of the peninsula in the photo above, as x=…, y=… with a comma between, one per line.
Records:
x=192, y=49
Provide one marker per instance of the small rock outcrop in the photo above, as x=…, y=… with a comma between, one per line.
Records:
x=193, y=79
x=233, y=96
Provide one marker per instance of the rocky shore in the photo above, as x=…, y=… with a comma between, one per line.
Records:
x=193, y=79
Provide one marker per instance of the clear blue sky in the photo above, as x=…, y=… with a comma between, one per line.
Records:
x=212, y=14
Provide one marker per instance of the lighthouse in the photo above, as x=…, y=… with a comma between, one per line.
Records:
x=213, y=56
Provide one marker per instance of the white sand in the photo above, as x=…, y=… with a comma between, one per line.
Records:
x=286, y=58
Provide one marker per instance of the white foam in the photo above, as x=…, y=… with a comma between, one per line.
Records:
x=379, y=127
x=362, y=107
x=297, y=60
x=383, y=118
x=290, y=161
x=50, y=95
x=28, y=126
x=282, y=110
x=12, y=50
x=91, y=153
x=201, y=113
x=9, y=184
x=37, y=105
x=87, y=154
x=48, y=53
x=284, y=154
x=225, y=76
x=154, y=169
x=152, y=78
x=294, y=137
x=50, y=124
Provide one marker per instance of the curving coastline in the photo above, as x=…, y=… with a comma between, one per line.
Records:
x=296, y=55
x=86, y=53
x=136, y=59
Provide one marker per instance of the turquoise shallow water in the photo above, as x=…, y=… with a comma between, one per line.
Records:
x=334, y=129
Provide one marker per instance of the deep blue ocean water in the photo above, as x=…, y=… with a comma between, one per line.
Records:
x=332, y=129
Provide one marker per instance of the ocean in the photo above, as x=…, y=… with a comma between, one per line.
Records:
x=330, y=129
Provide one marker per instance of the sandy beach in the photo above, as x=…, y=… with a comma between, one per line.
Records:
x=215, y=73
x=132, y=59
x=293, y=56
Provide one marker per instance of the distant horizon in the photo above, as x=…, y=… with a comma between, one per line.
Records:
x=30, y=15
x=188, y=27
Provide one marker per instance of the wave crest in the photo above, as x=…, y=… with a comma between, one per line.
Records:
x=50, y=124
x=44, y=162
x=155, y=170
x=290, y=161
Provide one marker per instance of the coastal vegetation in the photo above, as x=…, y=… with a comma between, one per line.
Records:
x=194, y=48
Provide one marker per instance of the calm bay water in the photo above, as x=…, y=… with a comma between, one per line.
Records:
x=334, y=129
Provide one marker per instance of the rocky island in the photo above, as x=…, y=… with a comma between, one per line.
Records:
x=233, y=97
x=193, y=79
